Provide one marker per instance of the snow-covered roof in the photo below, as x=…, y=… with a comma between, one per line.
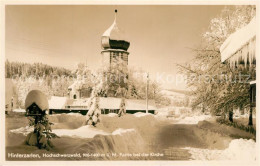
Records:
x=131, y=104
x=80, y=102
x=113, y=32
x=76, y=85
x=109, y=103
x=57, y=102
x=114, y=103
x=252, y=82
x=112, y=28
x=134, y=104
x=37, y=97
x=240, y=44
x=72, y=85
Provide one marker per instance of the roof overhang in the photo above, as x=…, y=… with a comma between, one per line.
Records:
x=240, y=46
x=253, y=82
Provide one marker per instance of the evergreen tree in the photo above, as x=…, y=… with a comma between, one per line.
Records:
x=94, y=112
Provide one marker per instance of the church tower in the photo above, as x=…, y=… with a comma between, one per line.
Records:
x=114, y=45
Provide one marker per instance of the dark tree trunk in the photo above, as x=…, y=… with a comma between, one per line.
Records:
x=203, y=109
x=250, y=122
x=241, y=110
x=223, y=115
x=230, y=116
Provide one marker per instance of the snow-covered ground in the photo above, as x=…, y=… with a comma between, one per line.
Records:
x=89, y=132
x=82, y=132
x=192, y=119
x=122, y=131
x=22, y=130
x=72, y=114
x=239, y=149
x=18, y=110
x=112, y=115
x=141, y=114
x=219, y=144
x=180, y=115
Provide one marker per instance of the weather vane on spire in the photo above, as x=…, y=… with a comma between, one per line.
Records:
x=115, y=14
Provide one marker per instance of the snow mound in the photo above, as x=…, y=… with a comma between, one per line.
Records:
x=239, y=149
x=128, y=143
x=22, y=130
x=67, y=121
x=162, y=113
x=121, y=131
x=19, y=110
x=70, y=114
x=141, y=114
x=204, y=154
x=112, y=115
x=193, y=119
x=74, y=114
x=82, y=132
x=89, y=132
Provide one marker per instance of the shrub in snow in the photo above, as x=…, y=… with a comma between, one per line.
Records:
x=42, y=133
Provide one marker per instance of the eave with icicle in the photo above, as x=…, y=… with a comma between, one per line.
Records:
x=240, y=48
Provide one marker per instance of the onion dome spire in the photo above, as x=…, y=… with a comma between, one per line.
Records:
x=113, y=37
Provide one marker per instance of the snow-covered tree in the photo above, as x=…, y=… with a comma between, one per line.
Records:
x=221, y=93
x=84, y=80
x=122, y=109
x=42, y=134
x=94, y=112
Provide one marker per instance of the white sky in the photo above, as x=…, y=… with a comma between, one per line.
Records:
x=66, y=35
